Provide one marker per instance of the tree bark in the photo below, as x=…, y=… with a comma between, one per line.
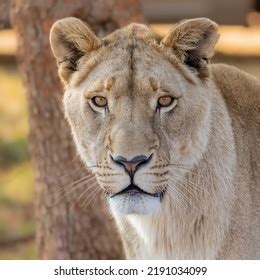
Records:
x=63, y=232
x=4, y=14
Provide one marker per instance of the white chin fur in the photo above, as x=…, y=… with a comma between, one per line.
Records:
x=141, y=204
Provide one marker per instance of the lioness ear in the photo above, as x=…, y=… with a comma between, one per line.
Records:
x=193, y=42
x=70, y=39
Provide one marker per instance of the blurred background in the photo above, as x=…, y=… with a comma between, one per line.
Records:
x=239, y=45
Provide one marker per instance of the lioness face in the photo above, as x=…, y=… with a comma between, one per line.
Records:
x=139, y=118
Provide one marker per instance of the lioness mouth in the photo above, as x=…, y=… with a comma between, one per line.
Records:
x=133, y=190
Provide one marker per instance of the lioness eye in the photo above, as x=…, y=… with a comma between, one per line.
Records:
x=99, y=101
x=165, y=101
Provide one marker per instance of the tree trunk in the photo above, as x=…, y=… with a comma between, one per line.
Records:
x=4, y=14
x=63, y=231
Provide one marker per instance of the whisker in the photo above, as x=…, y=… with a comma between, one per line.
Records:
x=197, y=199
x=69, y=192
x=179, y=164
x=102, y=196
x=177, y=196
x=91, y=197
x=190, y=183
x=106, y=182
x=81, y=195
x=78, y=168
x=60, y=188
x=188, y=171
x=92, y=166
x=69, y=173
x=76, y=156
x=73, y=189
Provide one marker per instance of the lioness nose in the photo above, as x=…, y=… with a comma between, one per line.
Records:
x=132, y=165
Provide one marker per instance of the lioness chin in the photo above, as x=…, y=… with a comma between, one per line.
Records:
x=173, y=140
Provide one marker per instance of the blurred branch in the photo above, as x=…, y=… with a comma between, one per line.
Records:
x=5, y=14
x=13, y=241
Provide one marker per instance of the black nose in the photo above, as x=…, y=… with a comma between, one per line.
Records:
x=132, y=165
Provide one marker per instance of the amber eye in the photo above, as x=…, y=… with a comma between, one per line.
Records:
x=99, y=101
x=165, y=101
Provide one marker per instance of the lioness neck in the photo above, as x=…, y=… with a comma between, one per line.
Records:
x=196, y=226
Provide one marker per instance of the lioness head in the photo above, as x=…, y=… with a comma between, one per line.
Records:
x=138, y=105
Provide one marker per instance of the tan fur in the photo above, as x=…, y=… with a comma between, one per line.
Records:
x=205, y=149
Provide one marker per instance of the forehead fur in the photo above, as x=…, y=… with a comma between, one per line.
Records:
x=122, y=47
x=133, y=31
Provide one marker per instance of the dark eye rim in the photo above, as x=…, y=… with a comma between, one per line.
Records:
x=95, y=103
x=165, y=106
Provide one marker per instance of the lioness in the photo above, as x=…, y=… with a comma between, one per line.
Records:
x=173, y=139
